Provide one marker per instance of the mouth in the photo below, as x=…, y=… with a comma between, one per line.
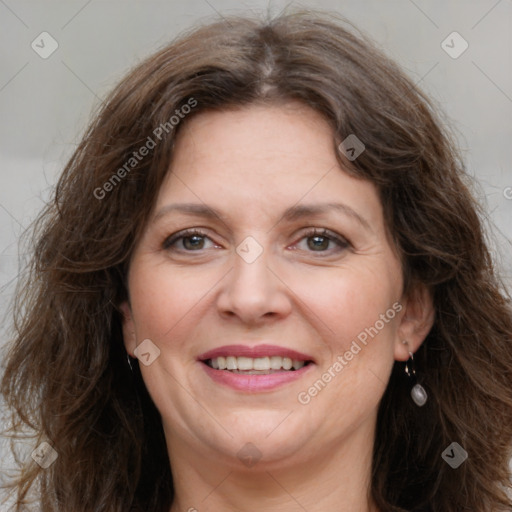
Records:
x=255, y=368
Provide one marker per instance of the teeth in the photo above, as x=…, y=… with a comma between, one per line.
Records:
x=276, y=362
x=261, y=363
x=244, y=363
x=257, y=364
x=297, y=365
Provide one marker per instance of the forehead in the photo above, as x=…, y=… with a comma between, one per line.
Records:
x=261, y=159
x=266, y=134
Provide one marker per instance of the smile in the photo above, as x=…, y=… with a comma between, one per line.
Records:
x=257, y=365
x=254, y=369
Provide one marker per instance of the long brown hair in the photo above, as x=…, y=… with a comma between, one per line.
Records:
x=66, y=377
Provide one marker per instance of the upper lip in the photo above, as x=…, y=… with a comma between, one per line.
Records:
x=253, y=352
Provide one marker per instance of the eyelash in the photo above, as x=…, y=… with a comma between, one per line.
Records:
x=324, y=233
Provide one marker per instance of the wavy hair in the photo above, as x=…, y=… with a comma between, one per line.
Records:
x=66, y=377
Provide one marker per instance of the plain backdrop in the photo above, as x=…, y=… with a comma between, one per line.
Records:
x=45, y=103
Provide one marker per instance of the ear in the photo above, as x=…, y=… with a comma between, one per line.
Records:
x=416, y=321
x=129, y=338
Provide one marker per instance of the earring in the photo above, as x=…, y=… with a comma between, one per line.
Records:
x=129, y=359
x=418, y=393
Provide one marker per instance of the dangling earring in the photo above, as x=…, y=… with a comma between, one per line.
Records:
x=129, y=359
x=418, y=393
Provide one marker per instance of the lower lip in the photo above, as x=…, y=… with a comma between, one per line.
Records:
x=255, y=383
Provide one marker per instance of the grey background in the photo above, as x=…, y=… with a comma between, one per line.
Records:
x=45, y=103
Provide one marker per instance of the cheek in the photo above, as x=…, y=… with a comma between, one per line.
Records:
x=359, y=310
x=340, y=303
x=163, y=298
x=347, y=301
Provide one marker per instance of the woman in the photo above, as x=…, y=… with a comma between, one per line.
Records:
x=263, y=283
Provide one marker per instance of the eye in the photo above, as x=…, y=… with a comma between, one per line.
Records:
x=195, y=240
x=189, y=240
x=319, y=240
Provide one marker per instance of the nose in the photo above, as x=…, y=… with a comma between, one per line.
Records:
x=253, y=292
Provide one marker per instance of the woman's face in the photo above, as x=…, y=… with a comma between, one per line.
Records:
x=286, y=263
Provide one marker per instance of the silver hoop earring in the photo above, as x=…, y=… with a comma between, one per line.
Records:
x=418, y=393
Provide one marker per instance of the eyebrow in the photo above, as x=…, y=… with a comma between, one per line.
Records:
x=291, y=214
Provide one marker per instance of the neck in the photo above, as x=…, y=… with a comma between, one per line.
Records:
x=336, y=479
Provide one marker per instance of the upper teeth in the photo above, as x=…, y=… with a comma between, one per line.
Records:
x=257, y=363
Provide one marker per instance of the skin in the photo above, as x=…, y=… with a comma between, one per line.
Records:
x=251, y=164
